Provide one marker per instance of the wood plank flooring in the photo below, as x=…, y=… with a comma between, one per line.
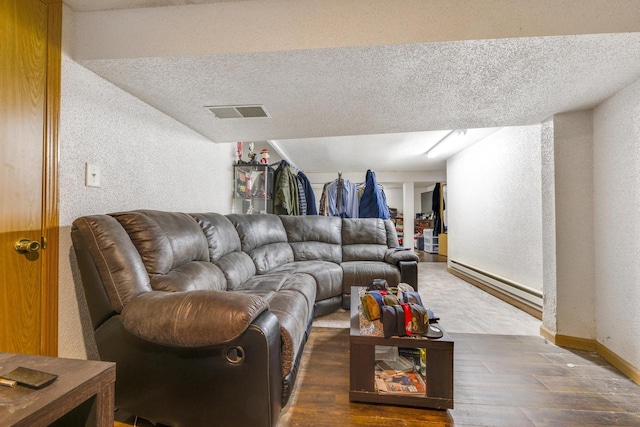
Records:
x=505, y=374
x=500, y=380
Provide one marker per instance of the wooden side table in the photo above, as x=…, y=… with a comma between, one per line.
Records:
x=78, y=381
x=439, y=366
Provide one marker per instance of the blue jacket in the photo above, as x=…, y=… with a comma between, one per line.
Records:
x=310, y=196
x=373, y=203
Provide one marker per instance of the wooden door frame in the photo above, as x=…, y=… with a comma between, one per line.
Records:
x=50, y=183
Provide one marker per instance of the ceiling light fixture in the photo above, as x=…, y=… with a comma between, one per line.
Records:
x=462, y=138
x=429, y=152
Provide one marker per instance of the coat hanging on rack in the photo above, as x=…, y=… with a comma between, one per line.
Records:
x=285, y=200
x=309, y=195
x=373, y=203
x=435, y=206
x=340, y=198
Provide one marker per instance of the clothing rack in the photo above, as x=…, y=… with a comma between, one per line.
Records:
x=339, y=191
x=286, y=163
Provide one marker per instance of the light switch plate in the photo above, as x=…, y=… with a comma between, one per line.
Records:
x=92, y=175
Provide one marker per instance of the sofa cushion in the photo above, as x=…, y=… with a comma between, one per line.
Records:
x=314, y=237
x=116, y=259
x=220, y=233
x=327, y=275
x=271, y=282
x=291, y=298
x=392, y=233
x=264, y=239
x=173, y=249
x=361, y=273
x=225, y=248
x=192, y=276
x=276, y=281
x=363, y=239
x=237, y=268
x=165, y=240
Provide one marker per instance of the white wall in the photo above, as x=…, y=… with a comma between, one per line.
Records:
x=549, y=266
x=568, y=225
x=417, y=196
x=494, y=205
x=395, y=197
x=147, y=160
x=616, y=128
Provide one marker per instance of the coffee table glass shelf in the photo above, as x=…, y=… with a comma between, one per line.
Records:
x=407, y=371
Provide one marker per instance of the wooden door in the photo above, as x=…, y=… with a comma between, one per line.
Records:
x=29, y=95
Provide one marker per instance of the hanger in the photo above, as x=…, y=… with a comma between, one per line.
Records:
x=285, y=163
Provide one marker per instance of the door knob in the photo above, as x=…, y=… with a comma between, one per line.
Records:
x=24, y=246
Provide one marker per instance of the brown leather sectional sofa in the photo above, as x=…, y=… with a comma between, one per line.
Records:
x=206, y=315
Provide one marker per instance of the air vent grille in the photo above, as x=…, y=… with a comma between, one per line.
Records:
x=238, y=111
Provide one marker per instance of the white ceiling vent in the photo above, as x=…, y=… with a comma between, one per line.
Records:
x=238, y=111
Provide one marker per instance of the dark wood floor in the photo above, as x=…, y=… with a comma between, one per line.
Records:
x=427, y=257
x=499, y=381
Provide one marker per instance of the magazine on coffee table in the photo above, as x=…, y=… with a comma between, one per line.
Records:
x=409, y=383
x=398, y=377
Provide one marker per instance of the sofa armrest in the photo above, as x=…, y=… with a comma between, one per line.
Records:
x=407, y=263
x=409, y=273
x=394, y=256
x=191, y=319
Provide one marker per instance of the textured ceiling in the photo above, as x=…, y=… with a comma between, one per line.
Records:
x=90, y=5
x=383, y=89
x=341, y=108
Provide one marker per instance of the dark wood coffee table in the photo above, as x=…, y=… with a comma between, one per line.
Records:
x=66, y=401
x=439, y=365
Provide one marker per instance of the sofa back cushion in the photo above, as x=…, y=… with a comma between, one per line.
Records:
x=314, y=238
x=221, y=235
x=225, y=248
x=364, y=239
x=173, y=249
x=102, y=245
x=264, y=239
x=392, y=233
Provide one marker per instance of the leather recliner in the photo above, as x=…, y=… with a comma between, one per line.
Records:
x=206, y=315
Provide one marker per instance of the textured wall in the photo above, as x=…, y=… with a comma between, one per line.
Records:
x=549, y=274
x=617, y=223
x=573, y=169
x=147, y=160
x=494, y=205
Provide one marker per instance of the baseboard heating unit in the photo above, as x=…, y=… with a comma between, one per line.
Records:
x=521, y=293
